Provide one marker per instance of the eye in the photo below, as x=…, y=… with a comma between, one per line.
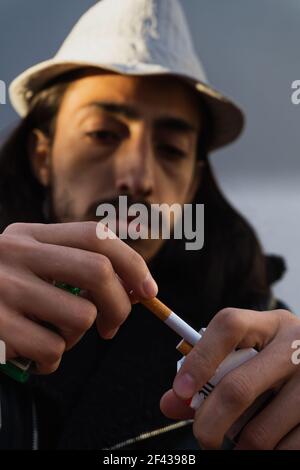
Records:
x=170, y=151
x=104, y=137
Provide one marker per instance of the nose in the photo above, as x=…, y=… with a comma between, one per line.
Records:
x=134, y=165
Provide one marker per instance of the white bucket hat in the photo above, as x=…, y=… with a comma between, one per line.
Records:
x=133, y=37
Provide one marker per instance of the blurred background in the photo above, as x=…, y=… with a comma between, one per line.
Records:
x=251, y=52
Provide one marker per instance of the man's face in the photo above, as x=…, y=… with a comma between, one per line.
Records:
x=118, y=135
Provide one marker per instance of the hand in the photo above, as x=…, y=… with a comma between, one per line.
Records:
x=273, y=333
x=32, y=256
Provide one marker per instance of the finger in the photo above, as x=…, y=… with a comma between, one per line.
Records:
x=174, y=408
x=89, y=271
x=134, y=299
x=228, y=329
x=72, y=316
x=238, y=389
x=128, y=264
x=291, y=441
x=275, y=421
x=27, y=339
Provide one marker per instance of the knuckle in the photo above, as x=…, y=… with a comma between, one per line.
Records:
x=102, y=268
x=205, y=440
x=16, y=228
x=229, y=319
x=284, y=314
x=136, y=260
x=8, y=243
x=12, y=286
x=54, y=351
x=6, y=282
x=22, y=228
x=201, y=358
x=122, y=313
x=46, y=369
x=86, y=317
x=256, y=437
x=13, y=246
x=236, y=390
x=287, y=322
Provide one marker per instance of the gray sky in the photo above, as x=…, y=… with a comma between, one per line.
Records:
x=250, y=50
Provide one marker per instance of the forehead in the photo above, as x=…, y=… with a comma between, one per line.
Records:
x=151, y=96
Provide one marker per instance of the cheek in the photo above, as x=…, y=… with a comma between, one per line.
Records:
x=67, y=157
x=76, y=174
x=174, y=183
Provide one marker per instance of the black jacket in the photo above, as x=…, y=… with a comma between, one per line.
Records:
x=106, y=394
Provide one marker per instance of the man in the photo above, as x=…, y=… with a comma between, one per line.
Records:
x=124, y=109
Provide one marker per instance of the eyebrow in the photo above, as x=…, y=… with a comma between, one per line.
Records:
x=164, y=122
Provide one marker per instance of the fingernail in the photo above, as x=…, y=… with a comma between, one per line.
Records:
x=184, y=386
x=189, y=401
x=111, y=333
x=150, y=288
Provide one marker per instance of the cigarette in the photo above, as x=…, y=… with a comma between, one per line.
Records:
x=19, y=369
x=233, y=360
x=173, y=321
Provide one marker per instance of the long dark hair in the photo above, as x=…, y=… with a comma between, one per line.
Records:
x=21, y=195
x=231, y=268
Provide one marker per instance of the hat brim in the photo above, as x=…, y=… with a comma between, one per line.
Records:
x=227, y=117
